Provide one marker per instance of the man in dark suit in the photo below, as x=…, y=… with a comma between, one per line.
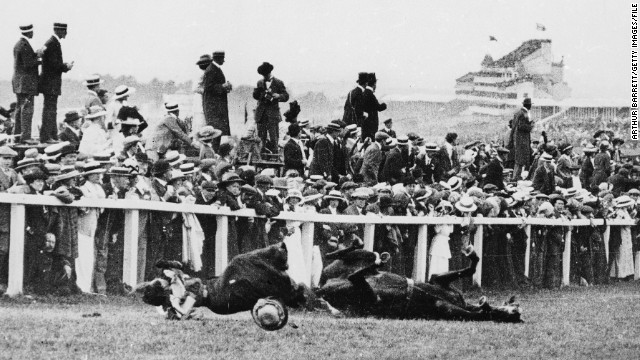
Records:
x=170, y=130
x=393, y=165
x=294, y=156
x=50, y=82
x=621, y=182
x=372, y=158
x=25, y=81
x=543, y=179
x=371, y=106
x=387, y=128
x=214, y=98
x=353, y=113
x=447, y=158
x=586, y=172
x=495, y=169
x=520, y=139
x=322, y=163
x=71, y=132
x=269, y=92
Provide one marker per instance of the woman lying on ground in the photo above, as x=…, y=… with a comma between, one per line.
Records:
x=256, y=280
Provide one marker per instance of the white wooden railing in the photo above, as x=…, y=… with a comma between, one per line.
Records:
x=132, y=208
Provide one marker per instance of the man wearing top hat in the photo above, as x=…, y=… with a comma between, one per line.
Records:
x=50, y=82
x=520, y=139
x=214, y=97
x=371, y=106
x=25, y=81
x=71, y=132
x=269, y=92
x=353, y=111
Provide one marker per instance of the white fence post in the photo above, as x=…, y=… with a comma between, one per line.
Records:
x=307, y=230
x=477, y=244
x=606, y=235
x=420, y=267
x=130, y=258
x=16, y=250
x=369, y=232
x=222, y=234
x=527, y=252
x=636, y=275
x=566, y=259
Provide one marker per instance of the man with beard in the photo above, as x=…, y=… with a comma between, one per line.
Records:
x=50, y=82
x=214, y=97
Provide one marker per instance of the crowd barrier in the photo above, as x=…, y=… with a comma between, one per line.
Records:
x=133, y=207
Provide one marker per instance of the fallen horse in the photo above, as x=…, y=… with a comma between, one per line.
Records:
x=256, y=281
x=353, y=284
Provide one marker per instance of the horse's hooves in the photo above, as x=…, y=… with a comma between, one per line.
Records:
x=482, y=301
x=384, y=257
x=468, y=250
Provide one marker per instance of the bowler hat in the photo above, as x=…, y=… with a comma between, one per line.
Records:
x=229, y=178
x=380, y=136
x=160, y=167
x=204, y=59
x=388, y=121
x=527, y=101
x=265, y=68
x=71, y=116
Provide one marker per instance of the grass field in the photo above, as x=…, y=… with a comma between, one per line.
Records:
x=571, y=323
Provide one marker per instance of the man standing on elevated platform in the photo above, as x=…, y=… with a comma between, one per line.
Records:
x=25, y=81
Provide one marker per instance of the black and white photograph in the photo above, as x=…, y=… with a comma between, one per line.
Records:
x=299, y=179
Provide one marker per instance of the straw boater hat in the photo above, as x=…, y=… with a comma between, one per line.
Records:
x=270, y=314
x=52, y=152
x=122, y=91
x=466, y=204
x=106, y=157
x=176, y=175
x=92, y=80
x=129, y=121
x=454, y=183
x=122, y=171
x=174, y=157
x=7, y=152
x=189, y=168
x=131, y=140
x=427, y=193
x=624, y=201
x=303, y=123
x=208, y=133
x=444, y=204
x=27, y=163
x=27, y=28
x=95, y=112
x=52, y=169
x=92, y=167
x=230, y=178
x=334, y=195
x=171, y=106
x=431, y=147
x=66, y=172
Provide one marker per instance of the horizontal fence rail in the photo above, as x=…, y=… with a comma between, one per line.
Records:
x=132, y=207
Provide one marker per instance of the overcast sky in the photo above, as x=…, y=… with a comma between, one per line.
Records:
x=409, y=44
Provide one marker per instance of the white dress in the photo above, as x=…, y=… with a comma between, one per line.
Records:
x=87, y=225
x=622, y=265
x=297, y=268
x=440, y=253
x=94, y=140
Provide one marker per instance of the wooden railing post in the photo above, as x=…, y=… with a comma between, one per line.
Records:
x=606, y=235
x=307, y=230
x=527, y=252
x=636, y=274
x=16, y=250
x=130, y=258
x=420, y=268
x=369, y=232
x=477, y=244
x=222, y=234
x=566, y=259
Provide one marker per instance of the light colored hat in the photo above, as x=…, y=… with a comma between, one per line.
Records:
x=605, y=186
x=270, y=314
x=208, y=132
x=122, y=171
x=66, y=172
x=454, y=183
x=105, y=157
x=131, y=122
x=123, y=91
x=6, y=151
x=546, y=157
x=171, y=106
x=444, y=204
x=335, y=195
x=570, y=192
x=131, y=140
x=466, y=204
x=176, y=175
x=92, y=167
x=26, y=163
x=95, y=112
x=294, y=193
x=445, y=185
x=360, y=193
x=271, y=172
x=189, y=168
x=26, y=28
x=303, y=122
x=624, y=201
x=427, y=193
x=93, y=80
x=174, y=158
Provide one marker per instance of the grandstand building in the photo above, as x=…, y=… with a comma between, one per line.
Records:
x=500, y=85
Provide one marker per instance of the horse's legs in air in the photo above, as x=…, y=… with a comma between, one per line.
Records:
x=445, y=279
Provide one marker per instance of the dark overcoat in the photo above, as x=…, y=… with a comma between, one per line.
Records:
x=214, y=99
x=25, y=69
x=50, y=82
x=269, y=111
x=522, y=126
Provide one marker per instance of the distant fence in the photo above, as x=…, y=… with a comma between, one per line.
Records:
x=132, y=208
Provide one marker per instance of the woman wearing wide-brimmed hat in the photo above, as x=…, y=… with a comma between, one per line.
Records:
x=439, y=254
x=95, y=139
x=621, y=248
x=228, y=195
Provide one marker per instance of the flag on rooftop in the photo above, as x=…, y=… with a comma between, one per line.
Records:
x=492, y=38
